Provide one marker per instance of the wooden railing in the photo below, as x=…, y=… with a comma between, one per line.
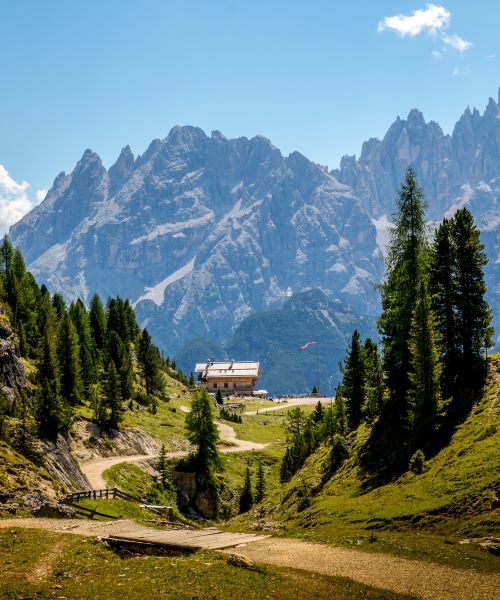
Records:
x=112, y=493
x=98, y=494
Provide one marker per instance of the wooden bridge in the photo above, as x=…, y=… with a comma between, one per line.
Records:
x=179, y=540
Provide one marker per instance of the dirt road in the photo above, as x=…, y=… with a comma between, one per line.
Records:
x=428, y=581
x=94, y=469
x=288, y=404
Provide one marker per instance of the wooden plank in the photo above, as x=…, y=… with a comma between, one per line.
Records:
x=185, y=538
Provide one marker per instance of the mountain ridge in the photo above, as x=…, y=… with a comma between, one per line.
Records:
x=202, y=231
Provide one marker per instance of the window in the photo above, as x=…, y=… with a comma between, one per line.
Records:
x=215, y=385
x=234, y=385
x=226, y=385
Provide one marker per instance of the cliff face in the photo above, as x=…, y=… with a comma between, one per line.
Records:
x=201, y=231
x=461, y=169
x=15, y=390
x=13, y=380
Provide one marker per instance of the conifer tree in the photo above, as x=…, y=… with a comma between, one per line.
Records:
x=203, y=434
x=69, y=361
x=88, y=362
x=260, y=485
x=443, y=294
x=6, y=254
x=339, y=412
x=472, y=311
x=149, y=363
x=218, y=398
x=97, y=321
x=52, y=414
x=424, y=394
x=164, y=470
x=246, y=496
x=374, y=381
x=120, y=354
x=114, y=399
x=318, y=412
x=353, y=383
x=59, y=306
x=406, y=268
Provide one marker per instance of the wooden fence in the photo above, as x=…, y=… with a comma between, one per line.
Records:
x=98, y=494
x=74, y=497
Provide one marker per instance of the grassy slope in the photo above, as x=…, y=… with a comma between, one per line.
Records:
x=76, y=567
x=456, y=496
x=17, y=472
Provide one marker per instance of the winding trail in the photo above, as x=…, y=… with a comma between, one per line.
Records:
x=425, y=580
x=94, y=469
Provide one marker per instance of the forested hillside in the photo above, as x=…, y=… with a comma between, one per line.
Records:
x=414, y=429
x=57, y=359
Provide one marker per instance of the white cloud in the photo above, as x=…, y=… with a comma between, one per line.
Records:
x=431, y=19
x=490, y=57
x=40, y=195
x=456, y=42
x=14, y=200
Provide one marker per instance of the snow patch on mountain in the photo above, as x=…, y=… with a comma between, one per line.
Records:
x=157, y=292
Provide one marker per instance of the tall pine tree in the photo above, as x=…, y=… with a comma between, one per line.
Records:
x=472, y=311
x=443, y=294
x=69, y=361
x=424, y=394
x=353, y=383
x=406, y=268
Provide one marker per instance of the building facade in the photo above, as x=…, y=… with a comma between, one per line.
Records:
x=231, y=377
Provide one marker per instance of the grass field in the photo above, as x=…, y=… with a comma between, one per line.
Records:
x=43, y=565
x=424, y=516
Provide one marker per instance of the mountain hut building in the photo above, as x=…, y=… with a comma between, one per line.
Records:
x=231, y=377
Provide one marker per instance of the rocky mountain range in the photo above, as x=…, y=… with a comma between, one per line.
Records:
x=201, y=232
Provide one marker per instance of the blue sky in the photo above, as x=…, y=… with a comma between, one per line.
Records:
x=316, y=76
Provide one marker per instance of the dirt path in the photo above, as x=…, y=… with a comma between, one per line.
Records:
x=45, y=566
x=289, y=404
x=428, y=581
x=94, y=469
x=77, y=526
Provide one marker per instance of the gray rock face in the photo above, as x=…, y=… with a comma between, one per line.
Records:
x=454, y=171
x=13, y=380
x=201, y=231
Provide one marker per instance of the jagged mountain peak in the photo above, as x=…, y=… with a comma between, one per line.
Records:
x=415, y=118
x=201, y=231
